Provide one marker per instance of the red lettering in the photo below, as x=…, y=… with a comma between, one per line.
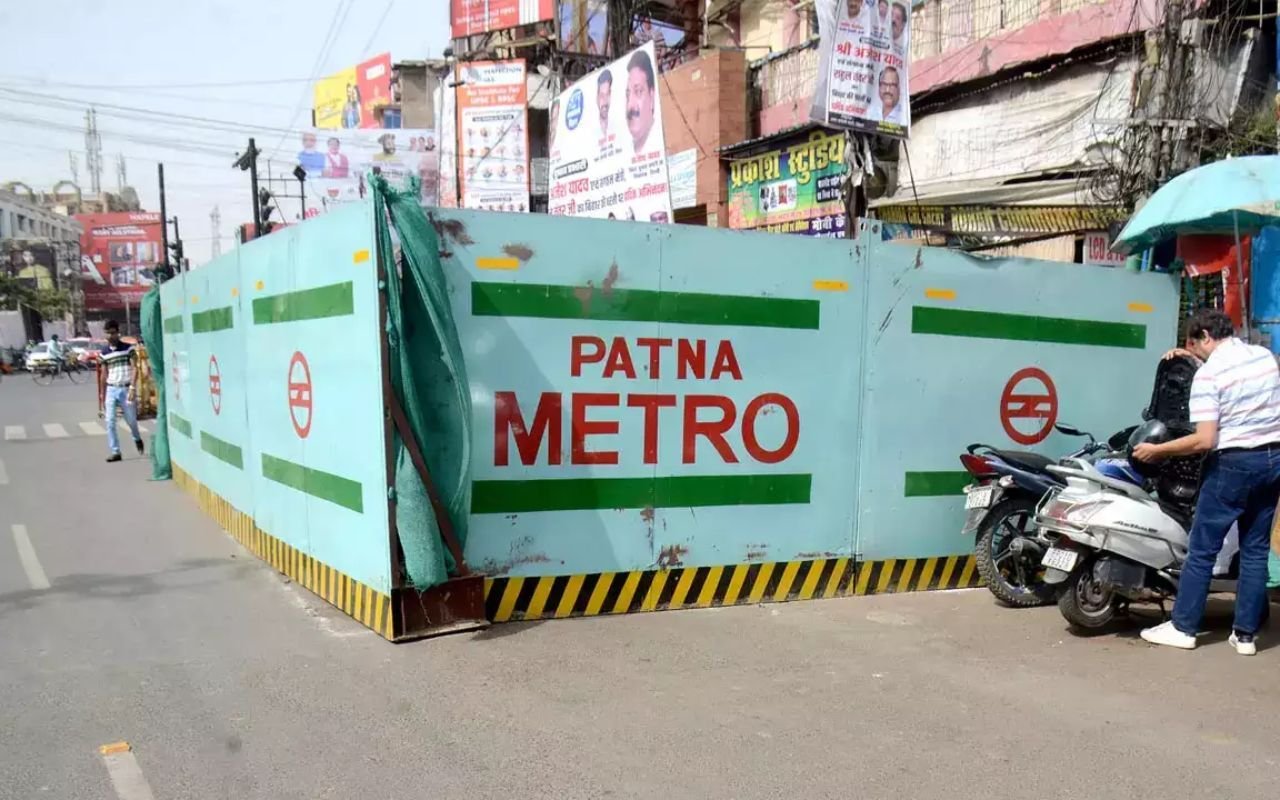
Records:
x=726, y=361
x=749, y=439
x=691, y=357
x=655, y=351
x=714, y=431
x=581, y=428
x=580, y=356
x=651, y=403
x=619, y=359
x=507, y=420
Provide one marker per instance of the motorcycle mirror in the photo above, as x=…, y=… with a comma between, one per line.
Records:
x=1069, y=430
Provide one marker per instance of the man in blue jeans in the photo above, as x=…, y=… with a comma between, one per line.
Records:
x=117, y=360
x=1235, y=406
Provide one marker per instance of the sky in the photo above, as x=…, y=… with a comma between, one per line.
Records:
x=142, y=63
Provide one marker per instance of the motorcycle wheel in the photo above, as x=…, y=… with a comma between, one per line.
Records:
x=1012, y=578
x=1085, y=603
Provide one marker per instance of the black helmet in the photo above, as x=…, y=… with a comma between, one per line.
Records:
x=1150, y=432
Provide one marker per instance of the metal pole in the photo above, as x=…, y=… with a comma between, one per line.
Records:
x=177, y=235
x=253, y=181
x=1244, y=310
x=302, y=189
x=164, y=225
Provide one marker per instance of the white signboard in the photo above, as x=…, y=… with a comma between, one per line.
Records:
x=863, y=82
x=493, y=135
x=608, y=152
x=337, y=163
x=1097, y=250
x=683, y=169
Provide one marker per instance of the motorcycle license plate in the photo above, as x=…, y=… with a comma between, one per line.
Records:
x=979, y=497
x=1057, y=558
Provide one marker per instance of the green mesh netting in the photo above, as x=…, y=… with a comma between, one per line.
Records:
x=429, y=378
x=153, y=338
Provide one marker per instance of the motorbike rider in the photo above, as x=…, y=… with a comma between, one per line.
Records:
x=1235, y=406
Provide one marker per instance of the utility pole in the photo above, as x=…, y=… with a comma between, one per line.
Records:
x=215, y=222
x=93, y=152
x=164, y=224
x=249, y=161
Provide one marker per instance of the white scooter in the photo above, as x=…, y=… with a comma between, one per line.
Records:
x=1112, y=542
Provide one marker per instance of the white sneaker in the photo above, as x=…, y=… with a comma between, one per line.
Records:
x=1170, y=636
x=1246, y=646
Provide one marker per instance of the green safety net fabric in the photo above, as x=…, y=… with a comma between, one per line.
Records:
x=153, y=338
x=428, y=376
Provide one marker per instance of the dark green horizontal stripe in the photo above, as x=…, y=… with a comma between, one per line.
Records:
x=324, y=485
x=334, y=300
x=640, y=305
x=173, y=324
x=1026, y=328
x=570, y=494
x=944, y=483
x=180, y=425
x=215, y=319
x=221, y=450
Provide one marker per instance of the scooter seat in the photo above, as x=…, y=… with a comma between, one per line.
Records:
x=1023, y=459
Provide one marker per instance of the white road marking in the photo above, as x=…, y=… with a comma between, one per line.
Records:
x=126, y=775
x=4, y=476
x=55, y=431
x=14, y=432
x=27, y=555
x=92, y=428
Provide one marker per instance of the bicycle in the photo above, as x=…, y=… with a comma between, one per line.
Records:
x=44, y=374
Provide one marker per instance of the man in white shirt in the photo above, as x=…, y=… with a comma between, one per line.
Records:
x=1235, y=406
x=890, y=89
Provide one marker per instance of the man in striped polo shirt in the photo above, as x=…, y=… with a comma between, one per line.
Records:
x=1235, y=405
x=117, y=360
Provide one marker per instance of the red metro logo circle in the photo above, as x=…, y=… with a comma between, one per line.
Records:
x=215, y=385
x=1030, y=400
x=300, y=394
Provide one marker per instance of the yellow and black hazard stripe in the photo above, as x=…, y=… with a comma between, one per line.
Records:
x=557, y=596
x=362, y=603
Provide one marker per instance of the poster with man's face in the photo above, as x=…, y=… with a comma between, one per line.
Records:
x=863, y=67
x=608, y=152
x=33, y=266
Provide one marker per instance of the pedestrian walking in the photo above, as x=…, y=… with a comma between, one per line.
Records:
x=117, y=360
x=1235, y=406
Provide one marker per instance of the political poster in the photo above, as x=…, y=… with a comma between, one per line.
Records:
x=33, y=266
x=863, y=84
x=338, y=163
x=794, y=188
x=493, y=135
x=470, y=17
x=118, y=255
x=608, y=152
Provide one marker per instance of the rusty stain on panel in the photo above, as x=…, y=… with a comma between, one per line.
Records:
x=671, y=556
x=520, y=251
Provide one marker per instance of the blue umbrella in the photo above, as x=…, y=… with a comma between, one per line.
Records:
x=1239, y=194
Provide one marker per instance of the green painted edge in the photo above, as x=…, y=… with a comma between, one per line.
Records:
x=222, y=450
x=173, y=324
x=334, y=300
x=324, y=485
x=215, y=319
x=1026, y=328
x=180, y=425
x=545, y=301
x=581, y=494
x=941, y=483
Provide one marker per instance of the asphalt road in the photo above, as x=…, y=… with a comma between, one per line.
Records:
x=157, y=629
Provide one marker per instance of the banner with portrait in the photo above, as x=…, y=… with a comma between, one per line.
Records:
x=118, y=254
x=493, y=135
x=337, y=163
x=608, y=152
x=865, y=50
x=792, y=188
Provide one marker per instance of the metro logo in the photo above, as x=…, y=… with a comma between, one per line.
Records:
x=595, y=416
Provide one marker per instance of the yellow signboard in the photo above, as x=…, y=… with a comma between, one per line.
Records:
x=331, y=99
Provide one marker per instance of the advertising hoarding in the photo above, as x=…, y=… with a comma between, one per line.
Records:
x=447, y=113
x=337, y=163
x=118, y=254
x=493, y=135
x=792, y=188
x=469, y=17
x=608, y=152
x=34, y=266
x=863, y=82
x=350, y=98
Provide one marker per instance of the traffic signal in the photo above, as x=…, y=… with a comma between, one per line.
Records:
x=264, y=210
x=175, y=248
